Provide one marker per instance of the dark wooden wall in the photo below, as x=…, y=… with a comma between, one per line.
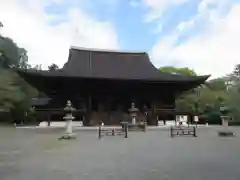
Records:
x=108, y=100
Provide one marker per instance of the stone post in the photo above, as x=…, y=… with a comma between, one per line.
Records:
x=125, y=129
x=68, y=134
x=133, y=113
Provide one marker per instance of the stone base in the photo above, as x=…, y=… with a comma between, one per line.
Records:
x=67, y=136
x=226, y=133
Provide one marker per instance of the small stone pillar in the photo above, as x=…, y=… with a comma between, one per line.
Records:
x=68, y=118
x=125, y=129
x=133, y=113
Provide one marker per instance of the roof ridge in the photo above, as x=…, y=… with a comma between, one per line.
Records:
x=107, y=50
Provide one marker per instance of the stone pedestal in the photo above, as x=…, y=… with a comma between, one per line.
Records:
x=225, y=131
x=225, y=120
x=133, y=119
x=133, y=113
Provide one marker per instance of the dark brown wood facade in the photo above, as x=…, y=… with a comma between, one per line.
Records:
x=109, y=100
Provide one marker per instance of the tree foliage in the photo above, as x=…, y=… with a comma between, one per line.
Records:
x=9, y=91
x=15, y=93
x=11, y=55
x=37, y=67
x=187, y=101
x=53, y=67
x=23, y=59
x=236, y=71
x=180, y=71
x=233, y=100
x=218, y=84
x=206, y=98
x=221, y=90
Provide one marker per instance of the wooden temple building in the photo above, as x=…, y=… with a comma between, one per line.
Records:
x=102, y=85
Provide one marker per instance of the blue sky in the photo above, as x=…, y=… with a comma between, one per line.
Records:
x=200, y=34
x=134, y=34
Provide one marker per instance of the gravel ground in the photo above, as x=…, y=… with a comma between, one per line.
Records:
x=37, y=154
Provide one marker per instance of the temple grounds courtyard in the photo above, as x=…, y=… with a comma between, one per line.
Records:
x=37, y=154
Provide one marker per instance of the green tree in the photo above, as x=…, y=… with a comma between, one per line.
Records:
x=10, y=54
x=234, y=93
x=1, y=25
x=226, y=90
x=181, y=71
x=236, y=71
x=185, y=103
x=234, y=101
x=203, y=99
x=53, y=67
x=15, y=94
x=23, y=61
x=37, y=67
x=9, y=91
x=187, y=100
x=218, y=84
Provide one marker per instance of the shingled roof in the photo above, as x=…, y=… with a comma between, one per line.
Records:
x=104, y=64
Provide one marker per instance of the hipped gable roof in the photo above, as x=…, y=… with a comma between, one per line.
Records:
x=104, y=64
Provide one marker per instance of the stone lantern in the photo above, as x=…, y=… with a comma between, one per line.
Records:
x=225, y=117
x=133, y=113
x=68, y=118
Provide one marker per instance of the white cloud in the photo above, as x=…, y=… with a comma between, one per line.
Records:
x=134, y=3
x=28, y=25
x=215, y=51
x=157, y=7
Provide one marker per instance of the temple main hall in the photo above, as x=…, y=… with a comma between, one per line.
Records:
x=103, y=84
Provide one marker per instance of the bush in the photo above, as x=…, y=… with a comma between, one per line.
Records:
x=210, y=118
x=5, y=116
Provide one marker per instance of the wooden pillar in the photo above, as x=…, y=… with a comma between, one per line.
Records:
x=154, y=114
x=108, y=109
x=89, y=116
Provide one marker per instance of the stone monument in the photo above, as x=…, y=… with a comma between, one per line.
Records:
x=225, y=117
x=68, y=134
x=133, y=113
